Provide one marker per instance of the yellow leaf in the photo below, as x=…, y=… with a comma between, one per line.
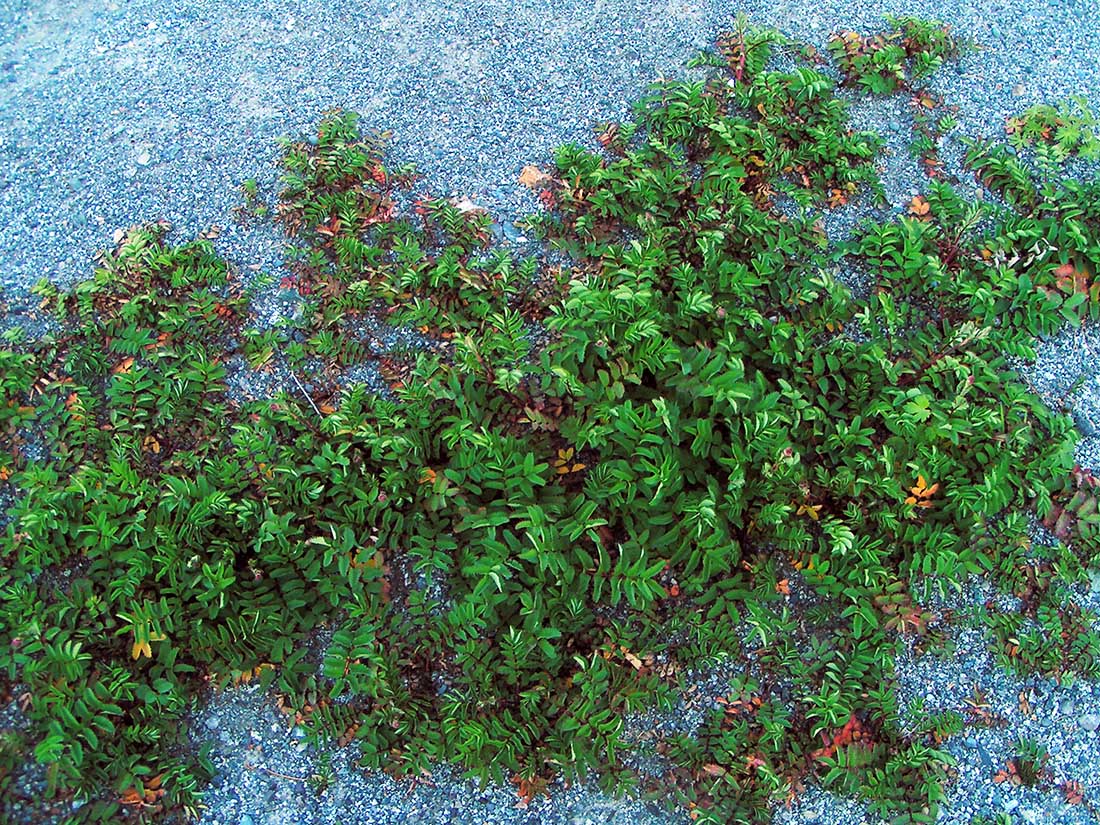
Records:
x=634, y=660
x=565, y=455
x=150, y=444
x=578, y=467
x=811, y=510
x=141, y=649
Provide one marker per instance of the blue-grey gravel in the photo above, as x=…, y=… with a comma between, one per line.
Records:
x=113, y=113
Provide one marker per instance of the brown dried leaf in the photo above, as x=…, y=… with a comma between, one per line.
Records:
x=1073, y=791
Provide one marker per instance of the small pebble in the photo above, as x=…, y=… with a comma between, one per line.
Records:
x=212, y=722
x=246, y=819
x=144, y=158
x=1089, y=721
x=1084, y=424
x=987, y=763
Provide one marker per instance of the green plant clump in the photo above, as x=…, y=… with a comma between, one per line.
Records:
x=692, y=445
x=883, y=63
x=1070, y=128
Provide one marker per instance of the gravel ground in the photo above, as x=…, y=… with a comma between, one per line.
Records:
x=269, y=773
x=117, y=113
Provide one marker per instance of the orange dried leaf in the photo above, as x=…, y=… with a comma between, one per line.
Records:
x=919, y=207
x=130, y=797
x=123, y=366
x=533, y=177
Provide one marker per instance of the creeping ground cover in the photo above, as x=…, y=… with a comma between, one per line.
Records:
x=674, y=439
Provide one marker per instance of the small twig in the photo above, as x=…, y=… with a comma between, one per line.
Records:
x=309, y=398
